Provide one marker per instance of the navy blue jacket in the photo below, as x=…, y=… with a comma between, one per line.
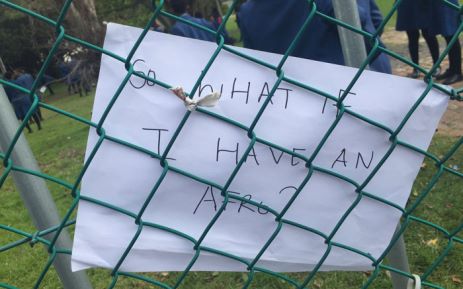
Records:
x=413, y=15
x=186, y=30
x=446, y=19
x=431, y=15
x=271, y=25
x=21, y=101
x=25, y=80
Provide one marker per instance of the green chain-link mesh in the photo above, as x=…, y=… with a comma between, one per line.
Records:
x=408, y=218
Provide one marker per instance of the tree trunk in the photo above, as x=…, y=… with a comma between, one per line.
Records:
x=81, y=20
x=84, y=21
x=219, y=7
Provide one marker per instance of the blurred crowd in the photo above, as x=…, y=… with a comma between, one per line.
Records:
x=272, y=25
x=20, y=99
x=73, y=73
x=431, y=18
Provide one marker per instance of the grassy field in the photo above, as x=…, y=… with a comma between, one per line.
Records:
x=59, y=148
x=385, y=6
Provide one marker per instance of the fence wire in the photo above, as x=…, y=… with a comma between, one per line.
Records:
x=451, y=236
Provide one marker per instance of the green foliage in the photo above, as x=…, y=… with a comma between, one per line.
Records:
x=385, y=6
x=21, y=46
x=129, y=12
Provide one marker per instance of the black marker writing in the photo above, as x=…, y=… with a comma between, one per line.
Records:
x=293, y=163
x=360, y=158
x=141, y=82
x=277, y=160
x=158, y=136
x=235, y=91
x=219, y=150
x=340, y=93
x=209, y=197
x=341, y=158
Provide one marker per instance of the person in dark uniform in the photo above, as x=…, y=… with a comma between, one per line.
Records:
x=181, y=8
x=21, y=101
x=215, y=18
x=413, y=16
x=65, y=71
x=446, y=22
x=271, y=25
x=46, y=81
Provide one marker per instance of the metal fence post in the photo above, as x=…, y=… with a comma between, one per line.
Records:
x=352, y=43
x=397, y=257
x=35, y=195
x=354, y=51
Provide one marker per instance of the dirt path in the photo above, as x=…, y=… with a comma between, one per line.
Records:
x=452, y=122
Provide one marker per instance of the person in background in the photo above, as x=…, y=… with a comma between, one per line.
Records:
x=413, y=16
x=446, y=21
x=65, y=70
x=21, y=101
x=271, y=25
x=181, y=8
x=215, y=18
x=158, y=26
x=46, y=81
x=26, y=80
x=79, y=77
x=74, y=77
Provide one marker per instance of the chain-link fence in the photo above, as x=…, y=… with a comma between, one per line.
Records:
x=50, y=236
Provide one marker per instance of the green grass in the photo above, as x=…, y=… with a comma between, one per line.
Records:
x=60, y=146
x=385, y=6
x=233, y=30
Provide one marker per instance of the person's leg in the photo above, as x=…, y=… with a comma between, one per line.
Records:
x=433, y=45
x=454, y=56
x=73, y=87
x=50, y=89
x=79, y=88
x=86, y=86
x=69, y=84
x=39, y=113
x=27, y=126
x=36, y=118
x=413, y=38
x=454, y=74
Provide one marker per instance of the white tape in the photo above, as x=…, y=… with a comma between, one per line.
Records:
x=209, y=100
x=414, y=284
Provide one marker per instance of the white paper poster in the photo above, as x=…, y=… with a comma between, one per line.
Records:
x=148, y=115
